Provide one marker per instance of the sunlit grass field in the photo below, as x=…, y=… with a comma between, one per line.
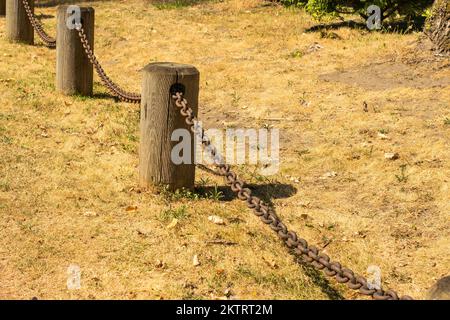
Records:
x=69, y=191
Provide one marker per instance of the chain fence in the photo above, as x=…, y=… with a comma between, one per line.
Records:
x=37, y=26
x=50, y=42
x=297, y=245
x=310, y=254
x=109, y=84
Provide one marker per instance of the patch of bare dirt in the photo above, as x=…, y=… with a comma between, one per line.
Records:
x=392, y=74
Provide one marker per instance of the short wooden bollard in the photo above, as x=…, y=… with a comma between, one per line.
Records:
x=18, y=26
x=2, y=7
x=159, y=118
x=74, y=72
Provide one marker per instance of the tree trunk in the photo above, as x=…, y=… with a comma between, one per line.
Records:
x=437, y=27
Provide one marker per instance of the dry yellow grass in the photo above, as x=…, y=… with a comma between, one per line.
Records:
x=68, y=164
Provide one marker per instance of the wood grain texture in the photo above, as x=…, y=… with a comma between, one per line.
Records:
x=18, y=26
x=2, y=7
x=159, y=118
x=74, y=71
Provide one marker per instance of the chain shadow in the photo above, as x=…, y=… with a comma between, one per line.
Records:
x=318, y=279
x=337, y=25
x=43, y=16
x=268, y=192
x=104, y=95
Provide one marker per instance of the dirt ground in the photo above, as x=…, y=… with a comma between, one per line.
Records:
x=69, y=190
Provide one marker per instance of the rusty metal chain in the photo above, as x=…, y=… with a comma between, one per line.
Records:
x=310, y=254
x=110, y=85
x=48, y=41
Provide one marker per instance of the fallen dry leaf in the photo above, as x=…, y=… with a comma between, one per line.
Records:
x=330, y=174
x=391, y=156
x=159, y=264
x=131, y=208
x=90, y=214
x=195, y=261
x=383, y=136
x=216, y=220
x=173, y=224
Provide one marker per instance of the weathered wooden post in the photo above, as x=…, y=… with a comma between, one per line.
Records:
x=74, y=72
x=2, y=7
x=18, y=26
x=159, y=118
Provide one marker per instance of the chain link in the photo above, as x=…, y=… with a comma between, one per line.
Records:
x=300, y=246
x=110, y=85
x=48, y=41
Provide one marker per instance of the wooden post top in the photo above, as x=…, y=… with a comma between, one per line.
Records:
x=171, y=68
x=63, y=8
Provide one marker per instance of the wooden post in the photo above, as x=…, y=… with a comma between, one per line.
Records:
x=159, y=118
x=74, y=72
x=2, y=7
x=18, y=26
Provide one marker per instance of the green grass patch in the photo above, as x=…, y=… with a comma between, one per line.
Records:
x=178, y=213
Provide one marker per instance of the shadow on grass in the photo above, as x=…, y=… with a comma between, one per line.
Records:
x=268, y=192
x=105, y=95
x=41, y=45
x=319, y=279
x=337, y=25
x=397, y=26
x=43, y=16
x=95, y=96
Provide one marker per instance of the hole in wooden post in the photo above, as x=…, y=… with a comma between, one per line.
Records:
x=177, y=87
x=74, y=21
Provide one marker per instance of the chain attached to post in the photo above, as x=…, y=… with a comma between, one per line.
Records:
x=110, y=85
x=48, y=41
x=51, y=43
x=310, y=254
